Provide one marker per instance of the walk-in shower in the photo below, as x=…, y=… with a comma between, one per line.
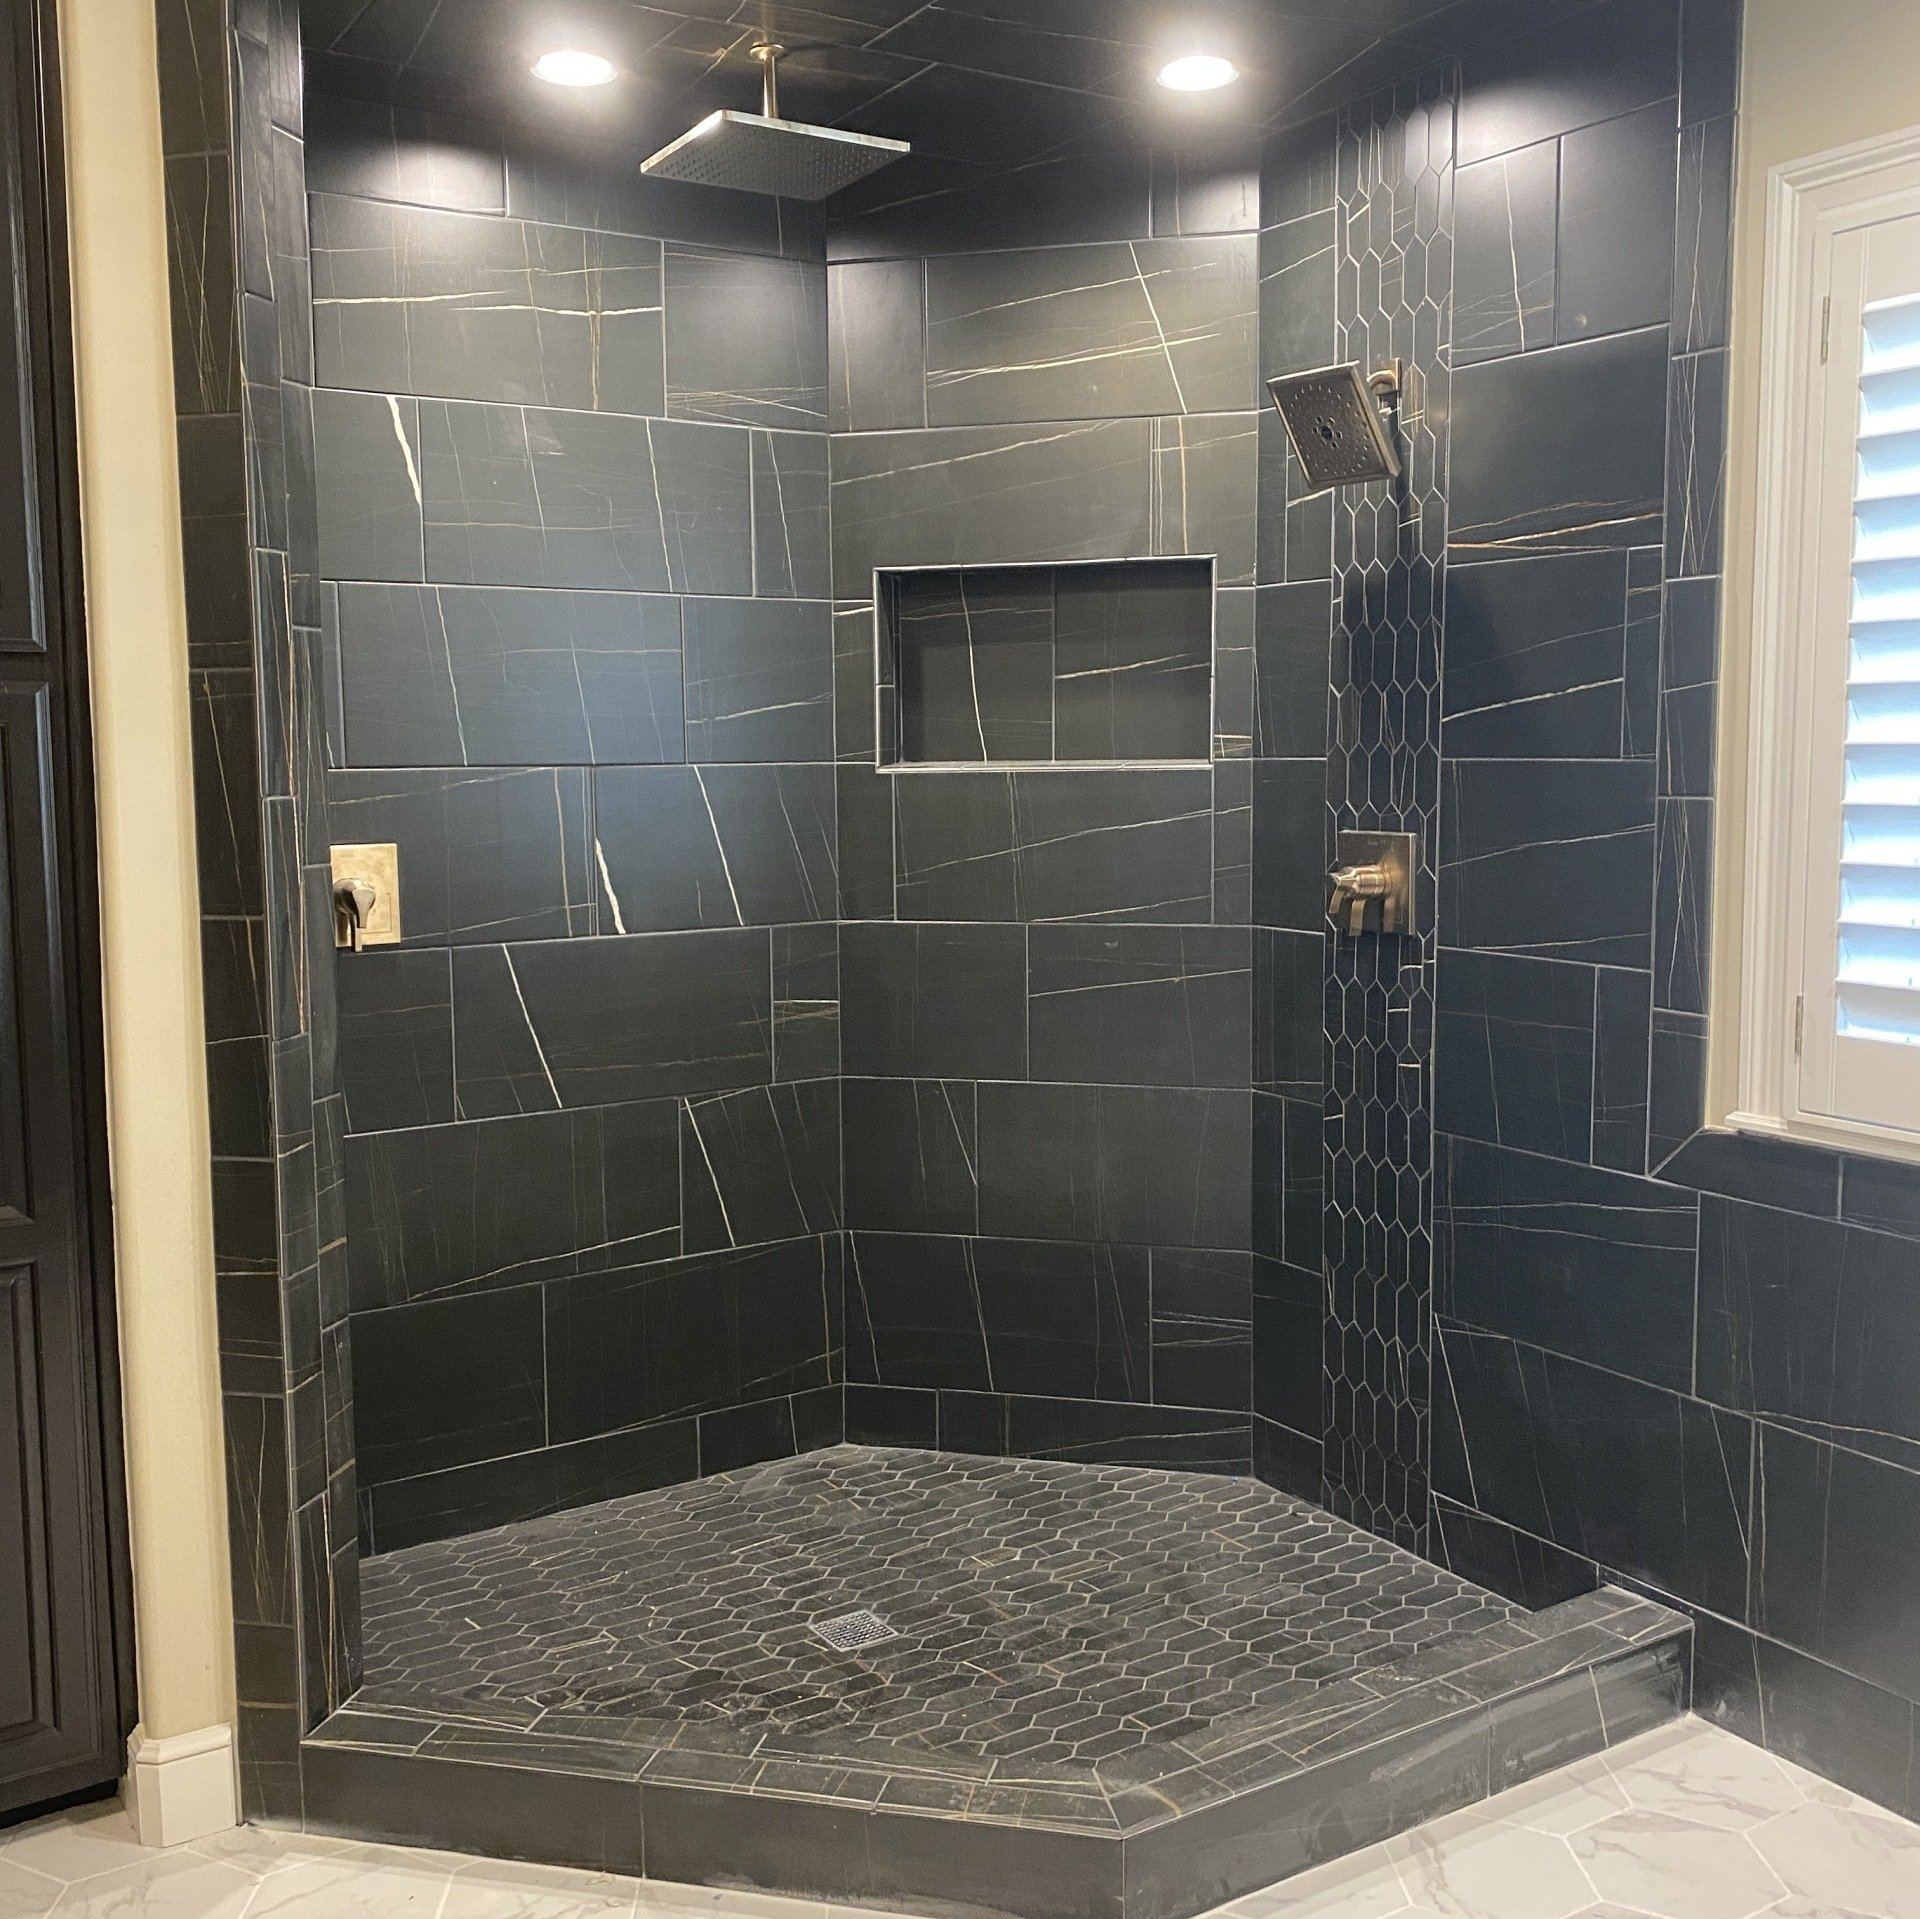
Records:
x=870, y=1301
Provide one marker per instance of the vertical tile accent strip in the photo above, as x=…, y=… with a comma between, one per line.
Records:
x=1394, y=274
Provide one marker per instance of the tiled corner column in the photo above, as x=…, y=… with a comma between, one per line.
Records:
x=243, y=354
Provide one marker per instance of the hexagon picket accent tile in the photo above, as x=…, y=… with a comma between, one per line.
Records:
x=1394, y=292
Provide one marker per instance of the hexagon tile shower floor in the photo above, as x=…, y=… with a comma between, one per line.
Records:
x=1107, y=1691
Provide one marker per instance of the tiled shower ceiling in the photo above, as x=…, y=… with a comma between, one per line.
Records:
x=973, y=83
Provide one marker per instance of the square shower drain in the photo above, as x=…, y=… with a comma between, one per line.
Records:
x=853, y=1630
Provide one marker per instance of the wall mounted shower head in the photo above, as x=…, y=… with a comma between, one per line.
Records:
x=762, y=153
x=1333, y=417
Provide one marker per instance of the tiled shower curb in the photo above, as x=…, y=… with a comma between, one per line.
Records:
x=1264, y=1805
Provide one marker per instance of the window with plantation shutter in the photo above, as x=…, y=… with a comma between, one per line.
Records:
x=1830, y=1022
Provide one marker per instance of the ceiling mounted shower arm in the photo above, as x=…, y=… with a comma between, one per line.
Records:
x=769, y=54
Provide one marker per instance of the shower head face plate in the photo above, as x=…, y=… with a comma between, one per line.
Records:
x=1333, y=420
x=786, y=158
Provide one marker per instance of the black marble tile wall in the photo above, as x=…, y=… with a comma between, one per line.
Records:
x=1674, y=1357
x=572, y=482
x=1048, y=973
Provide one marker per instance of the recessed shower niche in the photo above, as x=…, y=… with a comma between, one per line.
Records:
x=1097, y=663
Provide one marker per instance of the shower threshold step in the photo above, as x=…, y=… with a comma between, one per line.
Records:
x=1097, y=1692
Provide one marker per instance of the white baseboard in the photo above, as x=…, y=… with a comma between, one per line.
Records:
x=181, y=1788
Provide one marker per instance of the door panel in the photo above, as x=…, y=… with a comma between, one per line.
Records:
x=64, y=1693
x=25, y=1692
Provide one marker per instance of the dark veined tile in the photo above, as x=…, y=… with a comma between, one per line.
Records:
x=935, y=1001
x=914, y=1313
x=401, y=153
x=1140, y=1005
x=684, y=847
x=806, y=1002
x=1156, y=1166
x=1561, y=451
x=396, y=1039
x=1810, y=1321
x=1836, y=1532
x=1133, y=666
x=1644, y=1481
x=1039, y=1317
x=425, y=301
x=717, y=1330
x=877, y=361
x=1068, y=845
x=990, y=496
x=518, y=496
x=1535, y=658
x=638, y=1018
x=746, y=339
x=1571, y=72
x=912, y=1155
x=759, y=677
x=1141, y=328
x=759, y=1166
x=1623, y=1012
x=1595, y=1265
x=368, y=462
x=1616, y=224
x=442, y=1209
x=498, y=1492
x=791, y=549
x=1203, y=1328
x=1703, y=240
x=488, y=676
x=1514, y=1042
x=1297, y=260
x=1553, y=859
x=1506, y=213
x=445, y=1382
x=485, y=855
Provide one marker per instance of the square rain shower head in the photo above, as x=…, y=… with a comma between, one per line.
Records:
x=1333, y=419
x=753, y=153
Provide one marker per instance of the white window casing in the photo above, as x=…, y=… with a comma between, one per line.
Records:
x=1829, y=1040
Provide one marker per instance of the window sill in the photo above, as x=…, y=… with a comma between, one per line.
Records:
x=1865, y=1142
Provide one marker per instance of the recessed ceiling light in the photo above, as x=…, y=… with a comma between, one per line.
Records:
x=1198, y=73
x=569, y=67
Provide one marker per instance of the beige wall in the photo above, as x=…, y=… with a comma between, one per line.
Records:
x=157, y=1100
x=1817, y=74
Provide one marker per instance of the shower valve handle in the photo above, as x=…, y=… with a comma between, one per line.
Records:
x=1355, y=888
x=353, y=904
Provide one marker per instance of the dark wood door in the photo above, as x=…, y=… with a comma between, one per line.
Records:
x=63, y=1619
